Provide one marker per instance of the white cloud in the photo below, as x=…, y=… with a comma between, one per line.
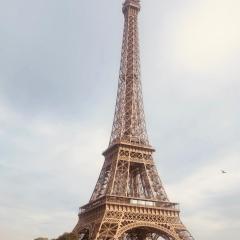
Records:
x=42, y=178
x=205, y=195
x=208, y=35
x=30, y=223
x=196, y=188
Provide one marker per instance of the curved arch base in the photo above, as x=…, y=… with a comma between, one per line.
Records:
x=145, y=233
x=128, y=223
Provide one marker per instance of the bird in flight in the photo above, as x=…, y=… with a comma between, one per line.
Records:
x=223, y=172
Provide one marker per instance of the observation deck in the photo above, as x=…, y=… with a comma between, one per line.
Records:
x=129, y=202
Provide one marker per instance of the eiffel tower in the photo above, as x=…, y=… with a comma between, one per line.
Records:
x=129, y=201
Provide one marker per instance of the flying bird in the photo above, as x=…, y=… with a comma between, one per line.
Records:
x=223, y=172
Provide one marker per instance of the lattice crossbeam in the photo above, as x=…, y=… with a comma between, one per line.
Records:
x=129, y=121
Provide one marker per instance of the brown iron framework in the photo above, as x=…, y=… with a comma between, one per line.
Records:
x=129, y=201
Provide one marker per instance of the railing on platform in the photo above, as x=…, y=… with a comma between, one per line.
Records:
x=129, y=201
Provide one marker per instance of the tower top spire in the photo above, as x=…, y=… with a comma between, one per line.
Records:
x=132, y=3
x=129, y=121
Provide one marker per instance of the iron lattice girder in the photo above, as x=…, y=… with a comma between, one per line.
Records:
x=129, y=171
x=129, y=201
x=129, y=121
x=116, y=204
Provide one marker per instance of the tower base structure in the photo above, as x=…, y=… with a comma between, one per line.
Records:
x=114, y=218
x=119, y=211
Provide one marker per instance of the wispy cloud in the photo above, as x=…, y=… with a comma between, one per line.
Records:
x=42, y=170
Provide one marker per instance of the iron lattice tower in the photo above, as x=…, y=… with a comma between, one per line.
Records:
x=129, y=201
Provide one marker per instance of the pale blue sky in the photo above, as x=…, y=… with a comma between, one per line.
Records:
x=59, y=64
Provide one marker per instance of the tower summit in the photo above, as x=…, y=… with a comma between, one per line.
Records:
x=129, y=201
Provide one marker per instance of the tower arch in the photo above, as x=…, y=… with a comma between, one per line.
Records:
x=146, y=229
